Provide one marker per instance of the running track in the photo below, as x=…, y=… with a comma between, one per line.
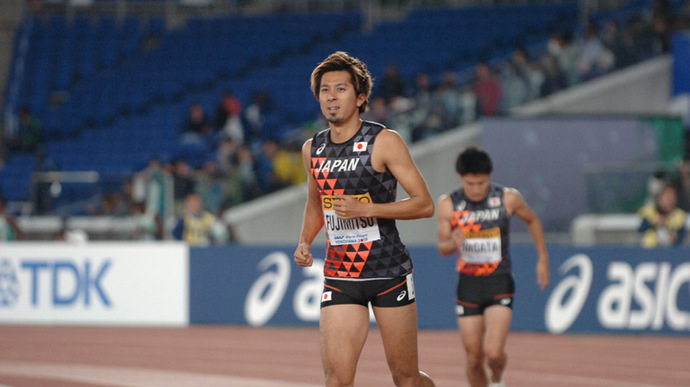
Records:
x=233, y=356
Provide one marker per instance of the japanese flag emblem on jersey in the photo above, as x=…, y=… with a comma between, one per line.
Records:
x=494, y=202
x=360, y=146
x=326, y=296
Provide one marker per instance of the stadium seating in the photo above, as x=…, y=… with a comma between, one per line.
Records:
x=111, y=94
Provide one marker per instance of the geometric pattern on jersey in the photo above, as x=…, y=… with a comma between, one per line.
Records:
x=463, y=210
x=385, y=257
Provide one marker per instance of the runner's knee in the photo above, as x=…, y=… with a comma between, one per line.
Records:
x=495, y=358
x=334, y=381
x=338, y=379
x=404, y=377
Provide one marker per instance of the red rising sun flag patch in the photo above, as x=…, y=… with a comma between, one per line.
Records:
x=360, y=146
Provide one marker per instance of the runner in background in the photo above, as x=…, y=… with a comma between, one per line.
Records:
x=473, y=224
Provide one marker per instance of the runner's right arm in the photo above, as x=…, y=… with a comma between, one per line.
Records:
x=449, y=239
x=312, y=221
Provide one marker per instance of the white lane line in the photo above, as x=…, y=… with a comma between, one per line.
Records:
x=135, y=377
x=580, y=380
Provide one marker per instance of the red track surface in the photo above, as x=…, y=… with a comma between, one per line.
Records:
x=289, y=357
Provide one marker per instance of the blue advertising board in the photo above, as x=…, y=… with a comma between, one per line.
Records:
x=615, y=290
x=681, y=63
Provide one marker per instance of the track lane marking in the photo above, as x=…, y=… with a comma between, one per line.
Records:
x=135, y=377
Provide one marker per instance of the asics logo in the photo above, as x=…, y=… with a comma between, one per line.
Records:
x=402, y=295
x=320, y=149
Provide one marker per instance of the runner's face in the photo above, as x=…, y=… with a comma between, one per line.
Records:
x=339, y=102
x=475, y=186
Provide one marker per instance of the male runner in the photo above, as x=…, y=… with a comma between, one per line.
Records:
x=354, y=168
x=473, y=223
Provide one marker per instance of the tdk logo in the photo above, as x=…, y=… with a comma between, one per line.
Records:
x=9, y=284
x=68, y=282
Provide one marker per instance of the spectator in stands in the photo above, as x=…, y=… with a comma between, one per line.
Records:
x=148, y=225
x=227, y=162
x=392, y=84
x=683, y=186
x=620, y=44
x=266, y=163
x=196, y=126
x=9, y=228
x=247, y=172
x=29, y=133
x=487, y=89
x=448, y=97
x=594, y=58
x=288, y=166
x=655, y=183
x=41, y=189
x=378, y=111
x=515, y=87
x=564, y=49
x=199, y=227
x=226, y=155
x=183, y=182
x=229, y=117
x=123, y=205
x=663, y=223
x=663, y=29
x=645, y=38
x=149, y=186
x=209, y=185
x=422, y=100
x=554, y=78
x=528, y=71
x=255, y=115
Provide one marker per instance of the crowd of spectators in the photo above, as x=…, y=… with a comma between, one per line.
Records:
x=245, y=162
x=493, y=88
x=248, y=163
x=240, y=163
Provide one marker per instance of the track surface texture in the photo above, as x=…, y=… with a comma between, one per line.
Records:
x=239, y=356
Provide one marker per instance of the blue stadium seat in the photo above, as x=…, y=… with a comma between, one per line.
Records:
x=125, y=104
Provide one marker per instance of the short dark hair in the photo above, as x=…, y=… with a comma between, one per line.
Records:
x=342, y=61
x=473, y=160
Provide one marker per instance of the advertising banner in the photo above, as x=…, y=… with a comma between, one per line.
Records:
x=94, y=284
x=614, y=290
x=681, y=63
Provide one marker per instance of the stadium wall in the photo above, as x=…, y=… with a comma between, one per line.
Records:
x=596, y=290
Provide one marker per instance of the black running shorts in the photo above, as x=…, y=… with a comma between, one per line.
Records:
x=476, y=293
x=387, y=292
